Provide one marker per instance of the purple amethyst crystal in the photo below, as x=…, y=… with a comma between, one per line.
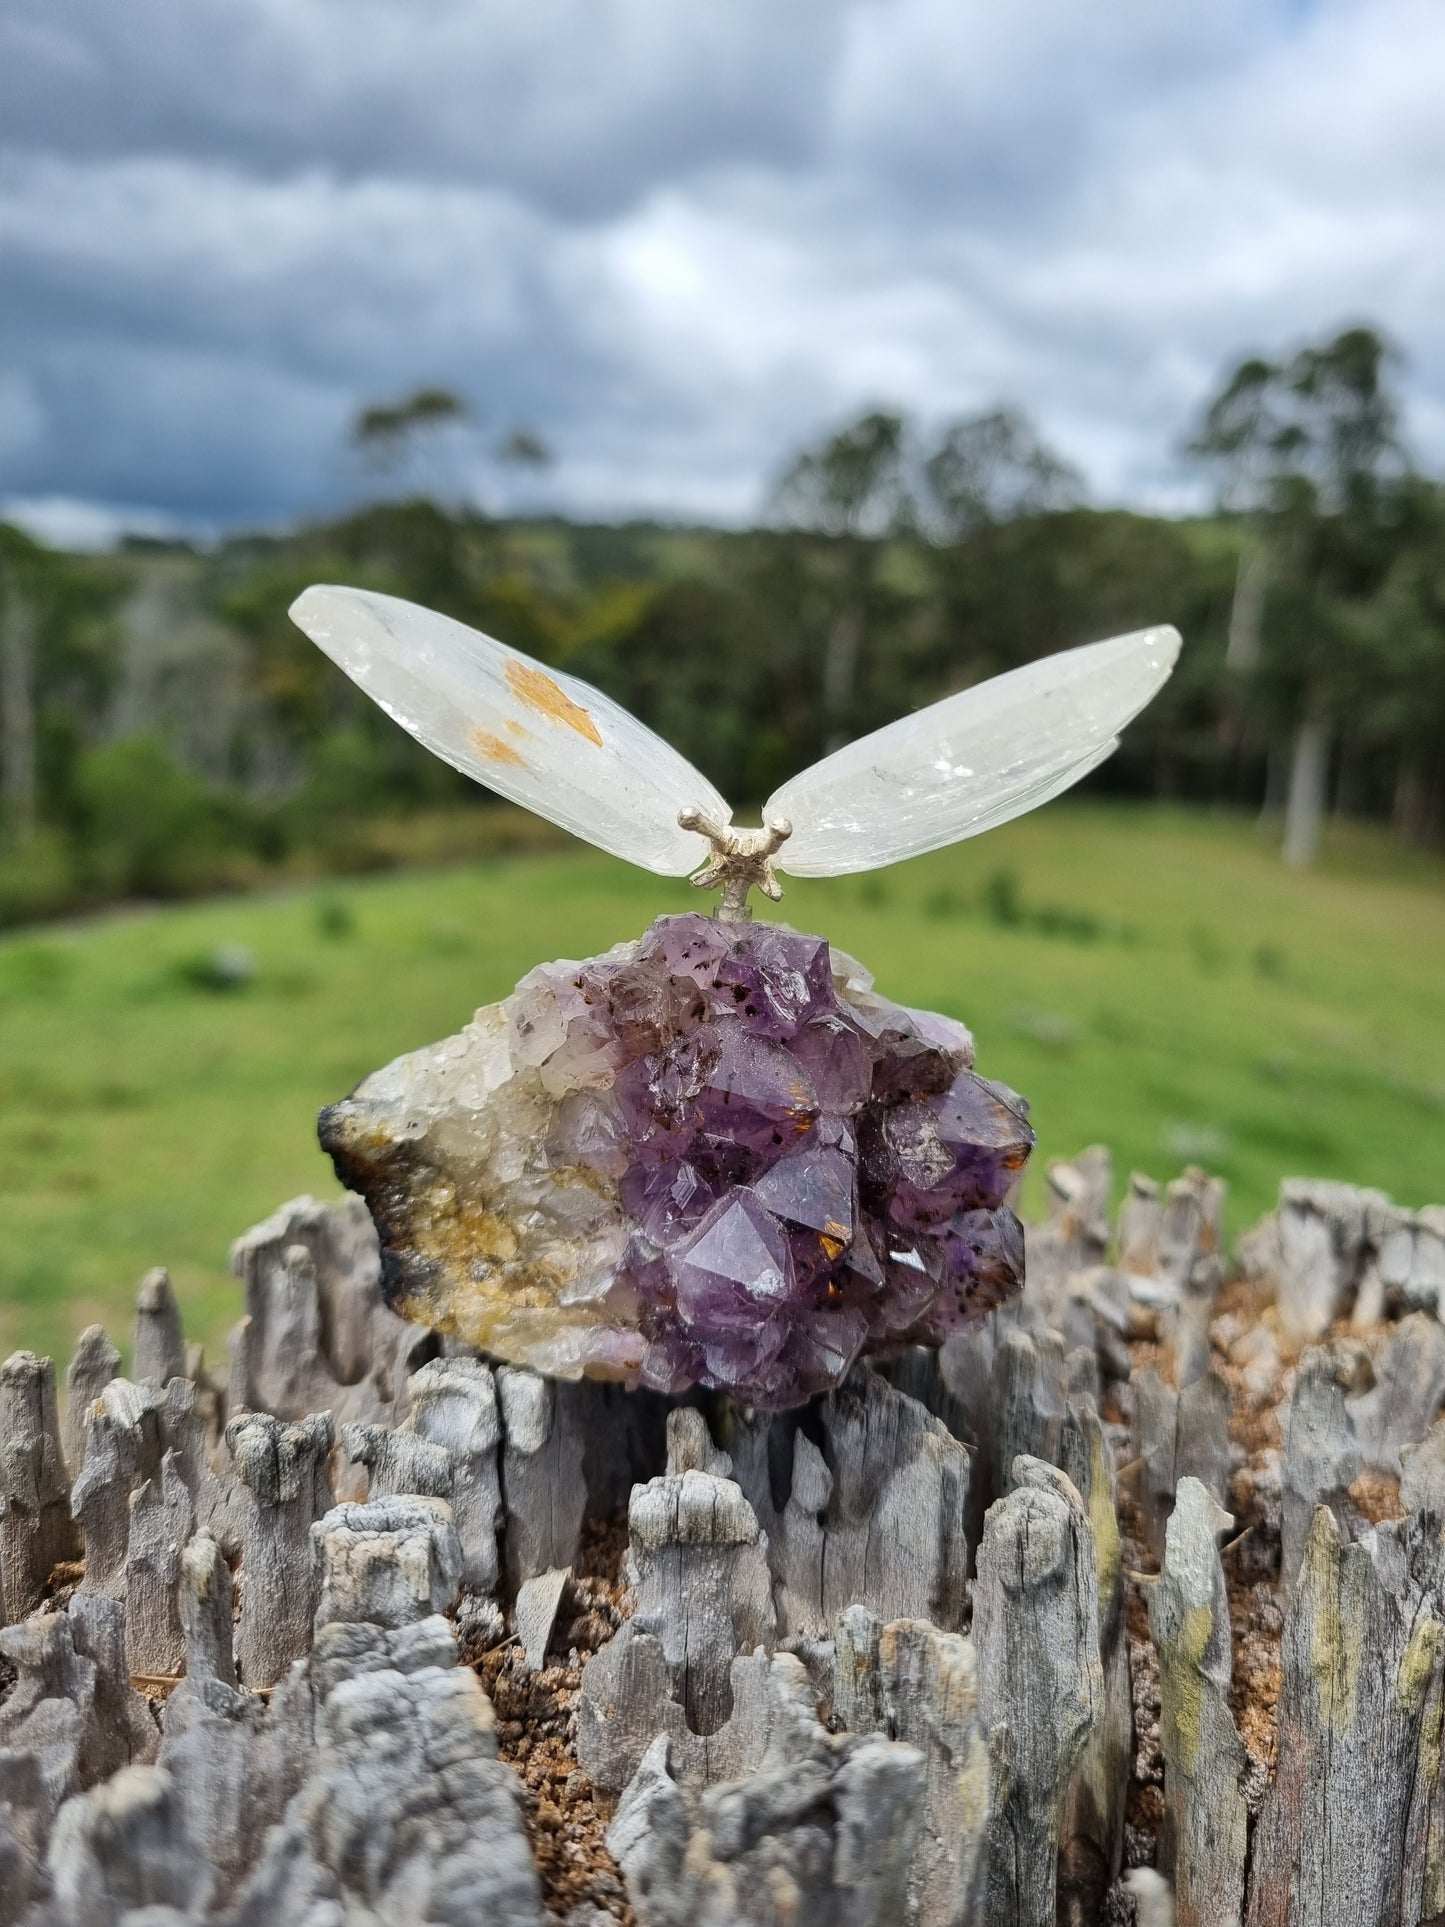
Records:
x=783, y=1170
x=814, y=1171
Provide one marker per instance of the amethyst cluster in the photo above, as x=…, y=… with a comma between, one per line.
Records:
x=806, y=1171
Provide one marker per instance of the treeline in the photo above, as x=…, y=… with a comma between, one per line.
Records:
x=164, y=728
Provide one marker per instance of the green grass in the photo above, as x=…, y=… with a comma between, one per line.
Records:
x=1152, y=980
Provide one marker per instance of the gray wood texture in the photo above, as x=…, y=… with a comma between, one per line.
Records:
x=158, y=1345
x=94, y=1363
x=911, y=1682
x=809, y=1717
x=1179, y=1435
x=316, y=1336
x=875, y=1512
x=1036, y=1631
x=1322, y=1456
x=454, y=1406
x=544, y=1486
x=1340, y=1837
x=1409, y=1384
x=1206, y=1832
x=536, y=1613
x=36, y=1529
x=822, y=1831
x=286, y=1471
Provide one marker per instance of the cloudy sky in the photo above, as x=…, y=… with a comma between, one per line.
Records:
x=675, y=238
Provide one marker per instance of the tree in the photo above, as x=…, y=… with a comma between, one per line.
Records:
x=1307, y=449
x=853, y=490
x=1402, y=676
x=993, y=499
x=521, y=448
x=19, y=794
x=410, y=438
x=57, y=668
x=991, y=468
x=875, y=481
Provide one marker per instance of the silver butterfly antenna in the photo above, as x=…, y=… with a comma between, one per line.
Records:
x=739, y=861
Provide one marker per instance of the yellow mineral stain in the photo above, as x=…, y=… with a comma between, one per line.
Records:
x=514, y=728
x=537, y=689
x=973, y=1787
x=1432, y=1739
x=1183, y=1690
x=1102, y=1516
x=1337, y=1585
x=1412, y=1688
x=1417, y=1667
x=832, y=1245
x=495, y=750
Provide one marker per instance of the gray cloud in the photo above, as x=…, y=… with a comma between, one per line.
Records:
x=676, y=240
x=578, y=105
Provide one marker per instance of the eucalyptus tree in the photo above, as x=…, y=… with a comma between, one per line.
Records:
x=991, y=491
x=1307, y=450
x=414, y=439
x=58, y=669
x=1403, y=675
x=853, y=491
x=990, y=468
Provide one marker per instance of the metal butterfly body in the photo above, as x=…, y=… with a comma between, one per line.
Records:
x=566, y=751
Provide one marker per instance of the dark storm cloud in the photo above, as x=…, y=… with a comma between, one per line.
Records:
x=575, y=107
x=675, y=239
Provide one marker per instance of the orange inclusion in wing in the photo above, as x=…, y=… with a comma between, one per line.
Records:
x=495, y=750
x=539, y=692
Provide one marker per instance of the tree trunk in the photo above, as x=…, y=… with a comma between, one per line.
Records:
x=840, y=673
x=1415, y=808
x=1347, y=780
x=1305, y=803
x=1276, y=784
x=1246, y=615
x=17, y=718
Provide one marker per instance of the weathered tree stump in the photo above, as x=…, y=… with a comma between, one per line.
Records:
x=93, y=1365
x=1340, y=1837
x=158, y=1346
x=1036, y=1628
x=454, y=1407
x=36, y=1530
x=914, y=1683
x=801, y=1710
x=1206, y=1831
x=544, y=1486
x=1322, y=1458
x=286, y=1472
x=875, y=1513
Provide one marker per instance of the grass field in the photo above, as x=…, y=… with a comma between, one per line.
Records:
x=1152, y=979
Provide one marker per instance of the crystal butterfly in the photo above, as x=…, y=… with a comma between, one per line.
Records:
x=564, y=750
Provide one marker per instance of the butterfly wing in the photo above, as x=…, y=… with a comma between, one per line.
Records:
x=543, y=739
x=970, y=762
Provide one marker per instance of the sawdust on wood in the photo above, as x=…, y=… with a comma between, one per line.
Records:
x=536, y=1731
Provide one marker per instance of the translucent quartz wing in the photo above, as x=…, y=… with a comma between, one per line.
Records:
x=534, y=735
x=969, y=762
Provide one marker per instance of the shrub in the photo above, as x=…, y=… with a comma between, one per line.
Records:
x=37, y=880
x=148, y=827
